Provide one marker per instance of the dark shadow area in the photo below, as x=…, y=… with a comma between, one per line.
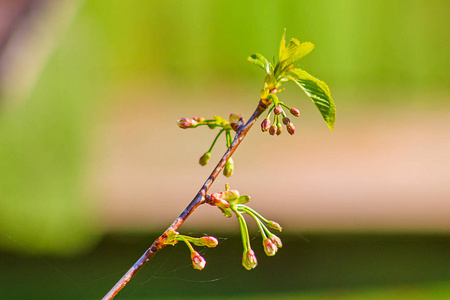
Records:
x=307, y=262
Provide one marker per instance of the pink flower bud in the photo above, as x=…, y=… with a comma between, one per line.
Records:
x=276, y=240
x=217, y=199
x=209, y=241
x=286, y=121
x=198, y=119
x=186, y=123
x=295, y=112
x=204, y=159
x=273, y=91
x=277, y=110
x=270, y=247
x=273, y=129
x=198, y=262
x=279, y=129
x=265, y=125
x=290, y=128
x=249, y=260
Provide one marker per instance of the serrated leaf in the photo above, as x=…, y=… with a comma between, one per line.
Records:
x=260, y=61
x=303, y=50
x=291, y=50
x=318, y=92
x=293, y=53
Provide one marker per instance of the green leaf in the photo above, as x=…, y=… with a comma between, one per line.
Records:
x=302, y=51
x=260, y=61
x=290, y=54
x=221, y=121
x=291, y=50
x=294, y=52
x=243, y=199
x=318, y=92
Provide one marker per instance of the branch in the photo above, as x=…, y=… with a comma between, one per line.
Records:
x=199, y=199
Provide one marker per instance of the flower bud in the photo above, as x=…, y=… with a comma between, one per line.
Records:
x=198, y=262
x=273, y=129
x=186, y=123
x=234, y=121
x=279, y=129
x=294, y=111
x=205, y=158
x=277, y=110
x=273, y=91
x=249, y=260
x=270, y=247
x=286, y=121
x=265, y=125
x=274, y=225
x=229, y=168
x=290, y=128
x=219, y=201
x=231, y=195
x=276, y=240
x=198, y=119
x=209, y=241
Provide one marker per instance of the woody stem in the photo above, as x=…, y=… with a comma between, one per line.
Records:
x=199, y=199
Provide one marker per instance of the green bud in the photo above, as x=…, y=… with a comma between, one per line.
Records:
x=229, y=168
x=274, y=225
x=209, y=241
x=204, y=159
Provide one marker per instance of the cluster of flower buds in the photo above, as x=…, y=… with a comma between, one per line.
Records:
x=229, y=202
x=198, y=262
x=235, y=123
x=279, y=117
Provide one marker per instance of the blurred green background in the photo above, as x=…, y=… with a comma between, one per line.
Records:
x=93, y=166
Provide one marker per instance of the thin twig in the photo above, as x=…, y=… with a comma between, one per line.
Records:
x=199, y=199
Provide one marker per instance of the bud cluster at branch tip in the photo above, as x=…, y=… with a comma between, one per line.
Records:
x=279, y=114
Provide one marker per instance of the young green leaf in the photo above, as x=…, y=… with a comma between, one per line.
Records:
x=318, y=92
x=260, y=61
x=221, y=121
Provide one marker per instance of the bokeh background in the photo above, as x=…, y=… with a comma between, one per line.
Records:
x=93, y=166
